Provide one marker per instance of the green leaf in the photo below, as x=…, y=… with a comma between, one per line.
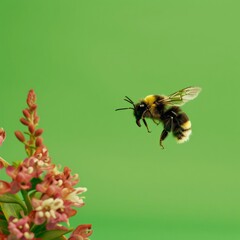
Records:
x=53, y=234
x=27, y=200
x=11, y=209
x=4, y=227
x=9, y=198
x=60, y=238
x=12, y=198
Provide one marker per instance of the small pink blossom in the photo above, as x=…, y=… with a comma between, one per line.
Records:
x=22, y=175
x=71, y=196
x=52, y=211
x=20, y=228
x=41, y=154
x=54, y=182
x=82, y=232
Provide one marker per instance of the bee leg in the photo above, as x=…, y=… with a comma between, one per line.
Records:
x=162, y=137
x=145, y=123
x=168, y=127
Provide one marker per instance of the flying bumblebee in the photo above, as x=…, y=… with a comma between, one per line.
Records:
x=166, y=109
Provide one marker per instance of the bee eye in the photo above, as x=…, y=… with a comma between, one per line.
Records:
x=141, y=105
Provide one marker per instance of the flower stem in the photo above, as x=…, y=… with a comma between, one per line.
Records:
x=27, y=200
x=4, y=162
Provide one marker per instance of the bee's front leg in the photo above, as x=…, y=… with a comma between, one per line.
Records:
x=145, y=123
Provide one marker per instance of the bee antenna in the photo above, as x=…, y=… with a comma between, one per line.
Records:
x=124, y=108
x=129, y=100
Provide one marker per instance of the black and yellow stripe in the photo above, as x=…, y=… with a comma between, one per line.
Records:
x=182, y=129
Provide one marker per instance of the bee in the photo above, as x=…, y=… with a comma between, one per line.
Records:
x=165, y=110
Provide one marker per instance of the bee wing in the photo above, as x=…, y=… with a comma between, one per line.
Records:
x=180, y=97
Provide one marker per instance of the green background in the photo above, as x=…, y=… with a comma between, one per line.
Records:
x=82, y=57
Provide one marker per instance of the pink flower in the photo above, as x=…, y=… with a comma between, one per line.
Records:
x=23, y=174
x=71, y=197
x=49, y=195
x=30, y=168
x=52, y=211
x=55, y=210
x=2, y=136
x=82, y=232
x=54, y=182
x=20, y=228
x=21, y=178
x=41, y=154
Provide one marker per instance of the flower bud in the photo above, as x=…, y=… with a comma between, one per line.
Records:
x=31, y=99
x=26, y=113
x=31, y=128
x=20, y=136
x=38, y=132
x=33, y=107
x=24, y=121
x=39, y=142
x=4, y=187
x=81, y=232
x=36, y=120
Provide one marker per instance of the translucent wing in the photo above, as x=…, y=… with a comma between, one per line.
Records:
x=180, y=97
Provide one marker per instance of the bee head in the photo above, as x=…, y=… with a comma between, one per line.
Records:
x=138, y=109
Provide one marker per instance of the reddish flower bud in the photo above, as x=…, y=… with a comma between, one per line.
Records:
x=81, y=232
x=2, y=136
x=24, y=121
x=38, y=132
x=33, y=107
x=31, y=128
x=4, y=187
x=36, y=120
x=26, y=113
x=20, y=136
x=31, y=99
x=39, y=142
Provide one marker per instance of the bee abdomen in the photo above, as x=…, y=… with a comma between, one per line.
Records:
x=182, y=130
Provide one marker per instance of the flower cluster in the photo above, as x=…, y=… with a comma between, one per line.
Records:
x=49, y=195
